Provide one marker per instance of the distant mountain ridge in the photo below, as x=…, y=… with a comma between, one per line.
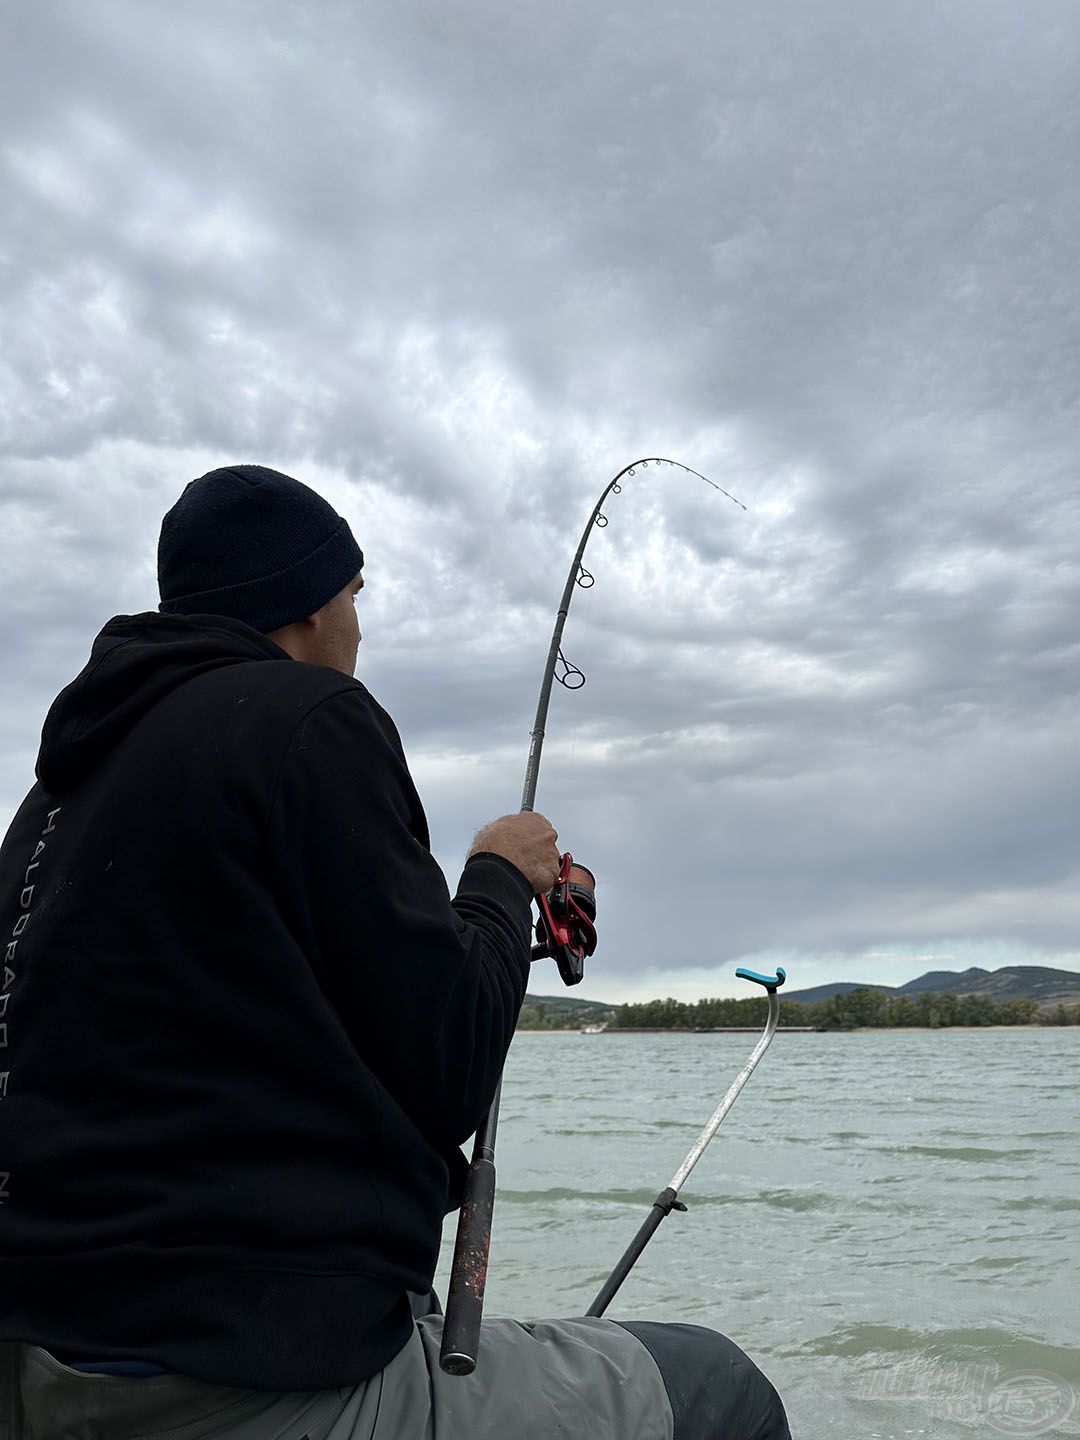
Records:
x=1012, y=982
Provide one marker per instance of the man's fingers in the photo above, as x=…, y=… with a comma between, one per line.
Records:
x=527, y=840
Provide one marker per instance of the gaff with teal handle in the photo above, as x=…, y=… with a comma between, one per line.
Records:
x=668, y=1199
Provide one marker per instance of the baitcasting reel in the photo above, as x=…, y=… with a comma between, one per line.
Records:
x=565, y=928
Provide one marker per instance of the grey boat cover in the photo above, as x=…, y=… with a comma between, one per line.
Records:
x=552, y=1380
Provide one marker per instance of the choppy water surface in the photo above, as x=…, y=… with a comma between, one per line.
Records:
x=887, y=1222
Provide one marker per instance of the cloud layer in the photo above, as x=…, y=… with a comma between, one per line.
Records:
x=455, y=268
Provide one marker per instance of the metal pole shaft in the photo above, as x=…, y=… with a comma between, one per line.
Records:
x=668, y=1200
x=631, y=1254
x=679, y=1179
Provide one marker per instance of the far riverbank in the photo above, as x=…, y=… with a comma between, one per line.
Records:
x=791, y=1030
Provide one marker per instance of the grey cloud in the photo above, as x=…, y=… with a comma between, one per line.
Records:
x=456, y=267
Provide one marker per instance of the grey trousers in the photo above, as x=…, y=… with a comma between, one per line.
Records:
x=553, y=1380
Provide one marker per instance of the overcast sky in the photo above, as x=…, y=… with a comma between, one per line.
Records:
x=456, y=265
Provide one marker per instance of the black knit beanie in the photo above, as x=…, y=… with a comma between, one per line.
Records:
x=254, y=544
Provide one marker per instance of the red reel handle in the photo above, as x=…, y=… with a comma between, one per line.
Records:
x=565, y=928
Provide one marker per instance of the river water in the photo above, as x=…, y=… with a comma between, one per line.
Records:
x=888, y=1222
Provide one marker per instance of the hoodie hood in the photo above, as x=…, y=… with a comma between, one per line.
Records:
x=135, y=662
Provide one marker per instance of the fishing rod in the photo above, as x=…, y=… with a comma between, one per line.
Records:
x=668, y=1199
x=565, y=930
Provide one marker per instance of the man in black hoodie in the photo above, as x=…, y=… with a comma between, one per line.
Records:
x=245, y=1029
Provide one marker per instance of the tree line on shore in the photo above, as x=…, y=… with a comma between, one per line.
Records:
x=857, y=1009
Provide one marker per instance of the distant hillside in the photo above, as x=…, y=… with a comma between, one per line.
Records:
x=561, y=1012
x=965, y=982
x=1020, y=982
x=839, y=987
x=1012, y=982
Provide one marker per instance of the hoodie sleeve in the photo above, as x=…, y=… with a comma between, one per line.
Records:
x=427, y=987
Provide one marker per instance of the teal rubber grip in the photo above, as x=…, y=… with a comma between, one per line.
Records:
x=770, y=982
